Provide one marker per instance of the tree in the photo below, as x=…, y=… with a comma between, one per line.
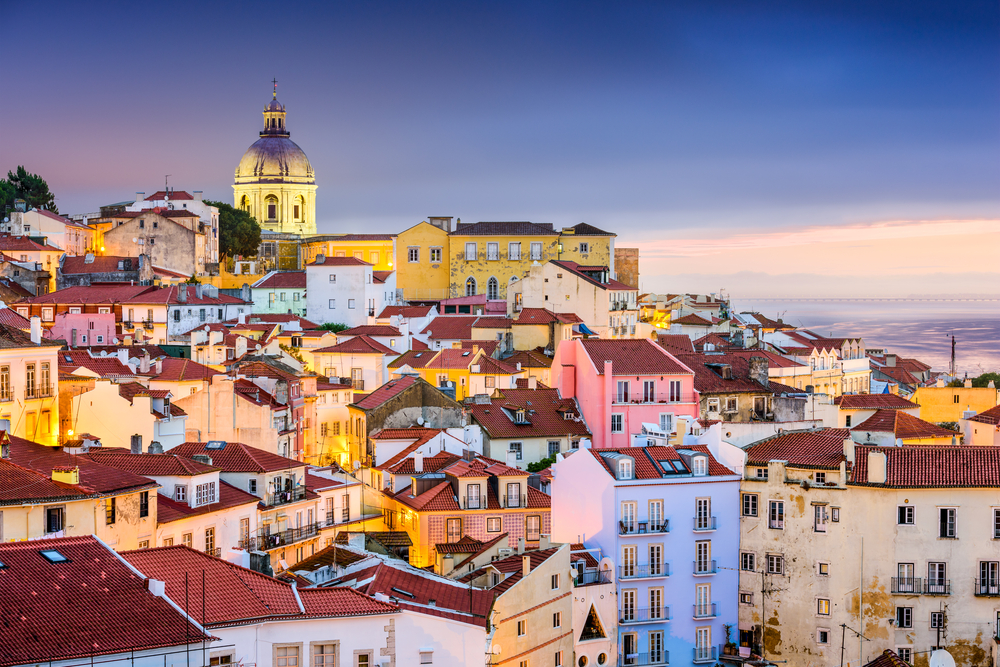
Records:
x=7, y=196
x=239, y=232
x=32, y=188
x=984, y=380
x=335, y=327
x=541, y=465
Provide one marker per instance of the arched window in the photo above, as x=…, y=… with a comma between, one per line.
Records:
x=513, y=279
x=245, y=203
x=299, y=209
x=492, y=289
x=272, y=207
x=470, y=287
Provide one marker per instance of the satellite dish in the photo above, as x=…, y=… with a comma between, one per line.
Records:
x=573, y=574
x=134, y=239
x=356, y=465
x=496, y=649
x=941, y=658
x=420, y=421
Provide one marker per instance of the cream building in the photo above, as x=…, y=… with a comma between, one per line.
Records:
x=898, y=543
x=275, y=182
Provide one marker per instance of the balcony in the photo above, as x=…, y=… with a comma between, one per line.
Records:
x=704, y=654
x=640, y=659
x=217, y=552
x=703, y=524
x=651, y=571
x=707, y=610
x=654, y=398
x=38, y=391
x=704, y=567
x=634, y=615
x=147, y=324
x=593, y=577
x=475, y=503
x=512, y=501
x=292, y=495
x=917, y=586
x=265, y=539
x=905, y=586
x=6, y=394
x=937, y=586
x=643, y=527
x=988, y=587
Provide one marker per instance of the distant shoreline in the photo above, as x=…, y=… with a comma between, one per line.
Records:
x=868, y=298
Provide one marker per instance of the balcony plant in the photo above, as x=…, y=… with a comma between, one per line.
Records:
x=729, y=648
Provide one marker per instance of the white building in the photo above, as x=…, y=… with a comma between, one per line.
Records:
x=345, y=290
x=180, y=200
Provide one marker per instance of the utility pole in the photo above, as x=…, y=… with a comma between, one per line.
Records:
x=843, y=641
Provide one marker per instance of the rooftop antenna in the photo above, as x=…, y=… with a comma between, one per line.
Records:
x=953, y=356
x=166, y=184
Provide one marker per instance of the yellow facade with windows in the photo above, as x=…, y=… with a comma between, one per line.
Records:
x=488, y=263
x=423, y=253
x=587, y=245
x=946, y=404
x=379, y=250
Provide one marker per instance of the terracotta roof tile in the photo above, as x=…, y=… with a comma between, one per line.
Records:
x=77, y=264
x=708, y=374
x=545, y=414
x=903, y=425
x=873, y=402
x=94, y=477
x=371, y=330
x=639, y=356
x=932, y=466
x=74, y=609
x=167, y=509
x=405, y=311
x=23, y=485
x=504, y=229
x=802, y=449
x=452, y=327
x=529, y=359
x=991, y=416
x=576, y=269
x=389, y=390
x=105, y=367
x=413, y=358
x=175, y=369
x=339, y=261
x=675, y=343
x=150, y=465
x=647, y=460
x=237, y=457
x=279, y=279
x=357, y=345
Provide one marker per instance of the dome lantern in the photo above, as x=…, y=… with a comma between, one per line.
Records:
x=274, y=117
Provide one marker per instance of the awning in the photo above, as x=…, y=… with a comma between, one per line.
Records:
x=582, y=328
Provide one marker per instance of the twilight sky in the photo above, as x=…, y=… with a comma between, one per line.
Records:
x=769, y=148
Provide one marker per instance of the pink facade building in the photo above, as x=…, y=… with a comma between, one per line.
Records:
x=84, y=329
x=622, y=384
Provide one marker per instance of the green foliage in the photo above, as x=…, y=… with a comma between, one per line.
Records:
x=984, y=380
x=293, y=352
x=7, y=196
x=32, y=188
x=239, y=232
x=333, y=326
x=541, y=465
x=951, y=426
x=955, y=383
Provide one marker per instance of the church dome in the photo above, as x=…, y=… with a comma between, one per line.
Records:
x=274, y=158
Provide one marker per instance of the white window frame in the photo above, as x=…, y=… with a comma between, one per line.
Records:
x=471, y=251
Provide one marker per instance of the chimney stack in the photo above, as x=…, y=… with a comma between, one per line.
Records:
x=144, y=363
x=758, y=371
x=849, y=449
x=182, y=293
x=198, y=290
x=197, y=195
x=525, y=565
x=139, y=196
x=877, y=467
x=136, y=445
x=36, y=330
x=418, y=462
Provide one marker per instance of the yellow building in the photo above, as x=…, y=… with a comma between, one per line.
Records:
x=274, y=181
x=469, y=371
x=379, y=250
x=946, y=404
x=587, y=245
x=422, y=271
x=488, y=256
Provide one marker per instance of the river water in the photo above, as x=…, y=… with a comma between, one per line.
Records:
x=910, y=328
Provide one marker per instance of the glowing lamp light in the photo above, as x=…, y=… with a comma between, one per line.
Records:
x=69, y=432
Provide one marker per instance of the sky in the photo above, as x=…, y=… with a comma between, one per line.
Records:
x=765, y=148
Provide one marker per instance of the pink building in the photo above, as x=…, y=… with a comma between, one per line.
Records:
x=621, y=384
x=84, y=329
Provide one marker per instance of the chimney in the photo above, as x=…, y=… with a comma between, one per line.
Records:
x=198, y=290
x=144, y=364
x=66, y=474
x=849, y=449
x=758, y=371
x=525, y=565
x=939, y=383
x=245, y=293
x=136, y=446
x=202, y=458
x=418, y=462
x=182, y=293
x=197, y=195
x=967, y=384
x=520, y=545
x=890, y=360
x=157, y=587
x=36, y=330
x=155, y=447
x=876, y=467
x=139, y=196
x=321, y=258
x=159, y=366
x=122, y=354
x=242, y=319
x=532, y=383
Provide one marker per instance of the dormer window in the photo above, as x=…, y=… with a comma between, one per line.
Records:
x=700, y=466
x=625, y=469
x=521, y=416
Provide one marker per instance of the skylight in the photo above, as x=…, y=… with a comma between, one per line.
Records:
x=215, y=444
x=401, y=592
x=53, y=556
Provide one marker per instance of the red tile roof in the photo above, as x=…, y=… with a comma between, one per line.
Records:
x=167, y=509
x=389, y=390
x=902, y=425
x=279, y=279
x=381, y=276
x=823, y=448
x=452, y=358
x=583, y=229
x=130, y=390
x=452, y=327
x=708, y=374
x=466, y=545
x=14, y=338
x=647, y=460
x=168, y=295
x=339, y=261
x=529, y=359
x=74, y=609
x=237, y=457
x=991, y=416
x=888, y=659
x=545, y=411
x=406, y=465
x=413, y=359
x=577, y=270
x=691, y=320
x=283, y=318
x=150, y=465
x=486, y=322
x=23, y=485
x=10, y=243
x=342, y=601
x=105, y=367
x=873, y=402
x=94, y=477
x=77, y=264
x=639, y=356
x=675, y=343
x=504, y=229
x=405, y=311
x=898, y=373
x=932, y=466
x=371, y=330
x=175, y=369
x=357, y=345
x=173, y=195
x=92, y=294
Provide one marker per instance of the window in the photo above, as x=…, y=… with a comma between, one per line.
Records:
x=713, y=405
x=937, y=581
x=492, y=289
x=536, y=250
x=413, y=255
x=454, y=528
x=204, y=494
x=144, y=504
x=996, y=524
x=435, y=255
x=703, y=513
x=532, y=528
x=699, y=466
x=946, y=522
x=470, y=252
x=470, y=287
x=625, y=469
x=937, y=619
x=493, y=524
x=905, y=653
x=288, y=656
x=776, y=515
x=616, y=424
x=177, y=315
x=775, y=564
x=675, y=392
x=244, y=529
x=187, y=539
x=667, y=422
x=492, y=251
x=513, y=494
x=820, y=478
x=427, y=657
x=558, y=659
x=904, y=515
x=835, y=514
x=554, y=446
x=350, y=304
x=748, y=562
x=822, y=636
x=522, y=628
x=731, y=404
x=209, y=540
x=749, y=504
x=847, y=421
x=761, y=473
x=515, y=449
x=622, y=395
x=109, y=511
x=556, y=618
x=252, y=486
x=365, y=659
x=584, y=248
x=703, y=557
x=904, y=617
x=555, y=584
x=823, y=607
x=823, y=569
x=54, y=519
x=819, y=518
x=746, y=598
x=656, y=522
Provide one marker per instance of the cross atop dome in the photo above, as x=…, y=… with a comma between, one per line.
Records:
x=275, y=82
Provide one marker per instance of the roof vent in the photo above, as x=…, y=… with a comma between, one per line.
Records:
x=155, y=447
x=202, y=458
